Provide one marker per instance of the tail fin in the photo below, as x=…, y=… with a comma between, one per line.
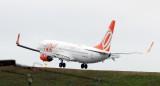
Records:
x=106, y=42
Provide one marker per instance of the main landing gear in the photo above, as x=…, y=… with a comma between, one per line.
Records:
x=84, y=66
x=62, y=64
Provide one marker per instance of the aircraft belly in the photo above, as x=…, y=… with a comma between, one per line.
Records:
x=91, y=58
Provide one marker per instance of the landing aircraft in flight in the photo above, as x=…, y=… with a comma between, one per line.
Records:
x=50, y=49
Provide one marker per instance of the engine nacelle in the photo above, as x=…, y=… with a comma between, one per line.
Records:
x=46, y=58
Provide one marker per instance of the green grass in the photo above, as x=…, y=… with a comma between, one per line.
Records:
x=15, y=76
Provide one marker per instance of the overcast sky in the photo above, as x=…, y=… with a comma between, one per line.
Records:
x=83, y=22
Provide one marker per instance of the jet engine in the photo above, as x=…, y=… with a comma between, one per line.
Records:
x=46, y=58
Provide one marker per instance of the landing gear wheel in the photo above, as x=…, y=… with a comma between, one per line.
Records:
x=64, y=65
x=85, y=66
x=82, y=66
x=60, y=64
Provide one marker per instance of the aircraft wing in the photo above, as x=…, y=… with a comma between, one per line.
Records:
x=61, y=56
x=25, y=46
x=149, y=50
x=123, y=53
x=129, y=53
x=113, y=53
x=97, y=51
x=55, y=55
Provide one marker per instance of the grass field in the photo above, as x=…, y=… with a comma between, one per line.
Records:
x=16, y=76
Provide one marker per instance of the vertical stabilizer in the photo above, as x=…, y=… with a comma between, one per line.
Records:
x=106, y=42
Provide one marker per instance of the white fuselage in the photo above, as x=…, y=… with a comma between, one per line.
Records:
x=71, y=52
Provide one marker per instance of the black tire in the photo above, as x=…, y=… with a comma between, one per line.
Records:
x=64, y=65
x=82, y=66
x=85, y=66
x=60, y=64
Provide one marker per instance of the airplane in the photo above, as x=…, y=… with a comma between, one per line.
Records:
x=50, y=49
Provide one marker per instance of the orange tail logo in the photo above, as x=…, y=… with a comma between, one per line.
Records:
x=106, y=42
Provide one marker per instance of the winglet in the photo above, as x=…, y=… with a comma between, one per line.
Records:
x=18, y=39
x=149, y=50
